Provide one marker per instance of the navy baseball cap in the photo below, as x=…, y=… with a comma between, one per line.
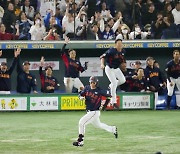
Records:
x=93, y=79
x=26, y=63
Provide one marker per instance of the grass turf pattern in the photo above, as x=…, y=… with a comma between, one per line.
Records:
x=140, y=132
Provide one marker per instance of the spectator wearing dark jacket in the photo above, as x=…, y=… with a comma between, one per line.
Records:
x=9, y=18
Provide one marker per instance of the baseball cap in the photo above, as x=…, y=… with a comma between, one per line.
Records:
x=93, y=79
x=3, y=63
x=48, y=67
x=26, y=62
x=137, y=62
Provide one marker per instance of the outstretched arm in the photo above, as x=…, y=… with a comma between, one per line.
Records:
x=16, y=54
x=19, y=67
x=66, y=41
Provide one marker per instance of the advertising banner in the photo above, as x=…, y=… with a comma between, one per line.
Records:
x=35, y=65
x=43, y=103
x=94, y=68
x=13, y=103
x=136, y=102
x=72, y=103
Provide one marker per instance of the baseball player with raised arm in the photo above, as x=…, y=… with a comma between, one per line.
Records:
x=48, y=82
x=93, y=96
x=173, y=75
x=114, y=57
x=72, y=68
x=5, y=74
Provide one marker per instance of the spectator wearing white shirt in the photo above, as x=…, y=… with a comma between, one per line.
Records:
x=69, y=27
x=29, y=10
x=176, y=13
x=104, y=12
x=38, y=30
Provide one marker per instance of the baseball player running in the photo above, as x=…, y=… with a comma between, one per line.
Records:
x=92, y=95
x=72, y=69
x=173, y=75
x=114, y=57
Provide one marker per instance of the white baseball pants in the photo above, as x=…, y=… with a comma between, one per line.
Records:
x=171, y=88
x=93, y=118
x=72, y=82
x=116, y=77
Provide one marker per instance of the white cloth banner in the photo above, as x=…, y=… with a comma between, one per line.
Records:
x=94, y=68
x=35, y=65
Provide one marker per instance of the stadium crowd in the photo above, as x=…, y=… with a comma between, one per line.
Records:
x=89, y=19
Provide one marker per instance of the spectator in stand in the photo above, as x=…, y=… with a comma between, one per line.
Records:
x=5, y=74
x=93, y=31
x=155, y=78
x=24, y=27
x=147, y=32
x=105, y=13
x=150, y=16
x=48, y=83
x=52, y=35
x=9, y=18
x=138, y=33
x=159, y=25
x=176, y=15
x=37, y=30
x=52, y=21
x=109, y=32
x=168, y=12
x=123, y=32
x=17, y=8
x=8, y=36
x=81, y=30
x=25, y=80
x=28, y=9
x=45, y=6
x=1, y=13
x=68, y=23
x=91, y=8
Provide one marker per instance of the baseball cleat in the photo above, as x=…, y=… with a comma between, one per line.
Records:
x=78, y=144
x=115, y=106
x=116, y=133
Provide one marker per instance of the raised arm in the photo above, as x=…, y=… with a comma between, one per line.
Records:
x=65, y=43
x=19, y=66
x=16, y=53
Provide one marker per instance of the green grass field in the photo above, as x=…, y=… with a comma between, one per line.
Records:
x=140, y=131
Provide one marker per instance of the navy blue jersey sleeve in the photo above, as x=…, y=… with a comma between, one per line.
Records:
x=12, y=66
x=63, y=51
x=19, y=66
x=106, y=54
x=83, y=92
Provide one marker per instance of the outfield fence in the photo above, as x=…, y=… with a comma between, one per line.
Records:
x=61, y=102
